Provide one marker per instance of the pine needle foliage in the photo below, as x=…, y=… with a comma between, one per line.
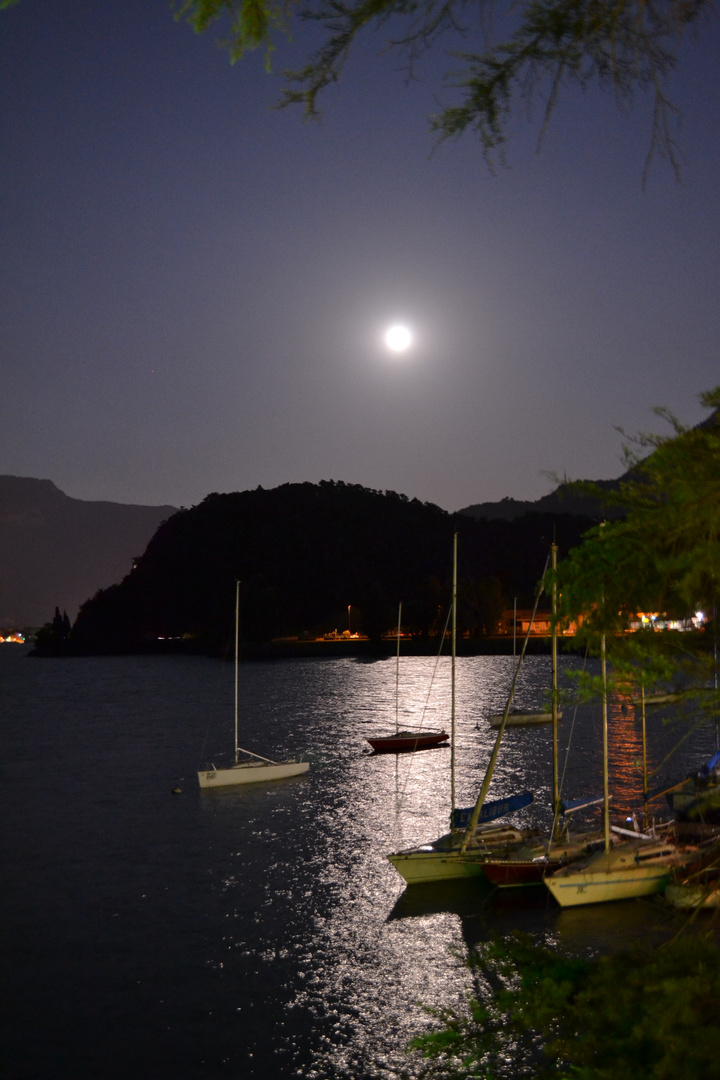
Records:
x=661, y=557
x=645, y=1014
x=547, y=45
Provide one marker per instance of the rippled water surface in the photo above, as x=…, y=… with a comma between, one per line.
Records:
x=261, y=932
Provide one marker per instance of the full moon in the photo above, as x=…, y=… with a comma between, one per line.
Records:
x=398, y=338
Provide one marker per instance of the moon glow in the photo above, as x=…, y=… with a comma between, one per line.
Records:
x=398, y=338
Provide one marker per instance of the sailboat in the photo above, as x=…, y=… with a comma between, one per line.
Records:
x=523, y=718
x=638, y=866
x=701, y=890
x=405, y=741
x=697, y=798
x=445, y=859
x=528, y=863
x=698, y=884
x=253, y=768
x=635, y=868
x=657, y=699
x=529, y=717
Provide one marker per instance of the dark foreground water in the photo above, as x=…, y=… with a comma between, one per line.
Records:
x=260, y=932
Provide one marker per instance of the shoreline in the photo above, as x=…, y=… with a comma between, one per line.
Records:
x=367, y=650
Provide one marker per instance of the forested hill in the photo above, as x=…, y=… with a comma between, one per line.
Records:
x=306, y=552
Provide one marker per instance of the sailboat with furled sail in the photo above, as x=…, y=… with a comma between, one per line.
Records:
x=471, y=830
x=252, y=768
x=404, y=742
x=524, y=718
x=529, y=862
x=637, y=866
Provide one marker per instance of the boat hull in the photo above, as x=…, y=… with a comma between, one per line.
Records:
x=530, y=864
x=251, y=773
x=586, y=887
x=698, y=797
x=624, y=873
x=518, y=718
x=695, y=802
x=694, y=895
x=419, y=867
x=698, y=884
x=657, y=699
x=442, y=860
x=407, y=742
x=509, y=873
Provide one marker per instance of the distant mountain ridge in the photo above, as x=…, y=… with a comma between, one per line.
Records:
x=56, y=550
x=59, y=551
x=565, y=499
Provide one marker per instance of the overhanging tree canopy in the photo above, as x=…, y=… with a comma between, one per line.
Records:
x=663, y=556
x=624, y=47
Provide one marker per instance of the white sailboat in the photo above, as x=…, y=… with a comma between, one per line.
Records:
x=454, y=855
x=253, y=768
x=522, y=718
x=635, y=867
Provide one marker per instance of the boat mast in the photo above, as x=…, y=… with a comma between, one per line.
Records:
x=397, y=672
x=556, y=783
x=644, y=751
x=606, y=786
x=474, y=817
x=452, y=680
x=715, y=660
x=603, y=674
x=251, y=753
x=237, y=650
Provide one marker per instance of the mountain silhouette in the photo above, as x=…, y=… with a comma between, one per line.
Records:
x=58, y=551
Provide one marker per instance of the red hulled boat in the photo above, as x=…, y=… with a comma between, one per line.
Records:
x=402, y=742
x=529, y=864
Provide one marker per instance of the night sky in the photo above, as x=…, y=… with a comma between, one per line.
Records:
x=195, y=285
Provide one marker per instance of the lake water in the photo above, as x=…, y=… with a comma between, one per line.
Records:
x=260, y=932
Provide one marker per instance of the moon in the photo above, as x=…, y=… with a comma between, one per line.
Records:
x=398, y=338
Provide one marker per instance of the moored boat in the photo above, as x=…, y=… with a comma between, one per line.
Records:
x=638, y=866
x=447, y=857
x=251, y=772
x=697, y=798
x=442, y=859
x=697, y=885
x=407, y=741
x=522, y=718
x=657, y=699
x=631, y=869
x=253, y=768
x=530, y=862
x=699, y=891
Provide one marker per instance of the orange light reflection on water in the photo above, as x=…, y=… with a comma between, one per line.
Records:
x=624, y=757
